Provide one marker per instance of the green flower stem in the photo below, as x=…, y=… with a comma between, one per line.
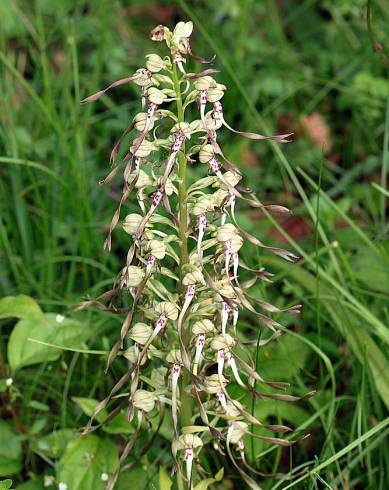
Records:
x=186, y=402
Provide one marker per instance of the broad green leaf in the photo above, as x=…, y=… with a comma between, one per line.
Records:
x=85, y=462
x=282, y=358
x=21, y=306
x=165, y=482
x=118, y=425
x=203, y=485
x=5, y=484
x=54, y=444
x=10, y=451
x=65, y=333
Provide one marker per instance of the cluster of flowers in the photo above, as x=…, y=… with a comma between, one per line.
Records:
x=186, y=297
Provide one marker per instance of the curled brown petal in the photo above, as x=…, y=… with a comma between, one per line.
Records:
x=199, y=58
x=100, y=93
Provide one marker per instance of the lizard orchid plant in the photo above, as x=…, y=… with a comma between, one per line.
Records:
x=180, y=289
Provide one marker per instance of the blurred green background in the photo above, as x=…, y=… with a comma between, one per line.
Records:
x=306, y=67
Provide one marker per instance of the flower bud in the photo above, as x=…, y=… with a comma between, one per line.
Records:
x=213, y=123
x=144, y=149
x=189, y=440
x=231, y=178
x=203, y=205
x=140, y=121
x=144, y=78
x=144, y=400
x=222, y=342
x=168, y=309
x=238, y=431
x=227, y=291
x=182, y=127
x=143, y=179
x=169, y=186
x=156, y=248
x=236, y=243
x=233, y=411
x=183, y=30
x=133, y=276
x=154, y=63
x=203, y=326
x=132, y=353
x=131, y=223
x=219, y=197
x=174, y=357
x=226, y=232
x=212, y=383
x=140, y=333
x=206, y=153
x=215, y=93
x=156, y=96
x=193, y=277
x=204, y=83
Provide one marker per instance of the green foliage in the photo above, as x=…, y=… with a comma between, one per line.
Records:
x=10, y=451
x=85, y=461
x=28, y=343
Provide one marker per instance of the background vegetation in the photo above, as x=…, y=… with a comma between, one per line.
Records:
x=296, y=65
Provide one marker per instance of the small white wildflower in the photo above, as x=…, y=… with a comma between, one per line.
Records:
x=104, y=476
x=59, y=318
x=48, y=480
x=9, y=381
x=62, y=486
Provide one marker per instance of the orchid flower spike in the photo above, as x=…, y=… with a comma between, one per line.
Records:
x=183, y=286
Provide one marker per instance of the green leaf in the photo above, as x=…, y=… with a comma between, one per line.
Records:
x=35, y=404
x=165, y=482
x=118, y=425
x=371, y=269
x=21, y=306
x=85, y=460
x=54, y=444
x=5, y=484
x=23, y=352
x=283, y=358
x=10, y=451
x=36, y=484
x=203, y=485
